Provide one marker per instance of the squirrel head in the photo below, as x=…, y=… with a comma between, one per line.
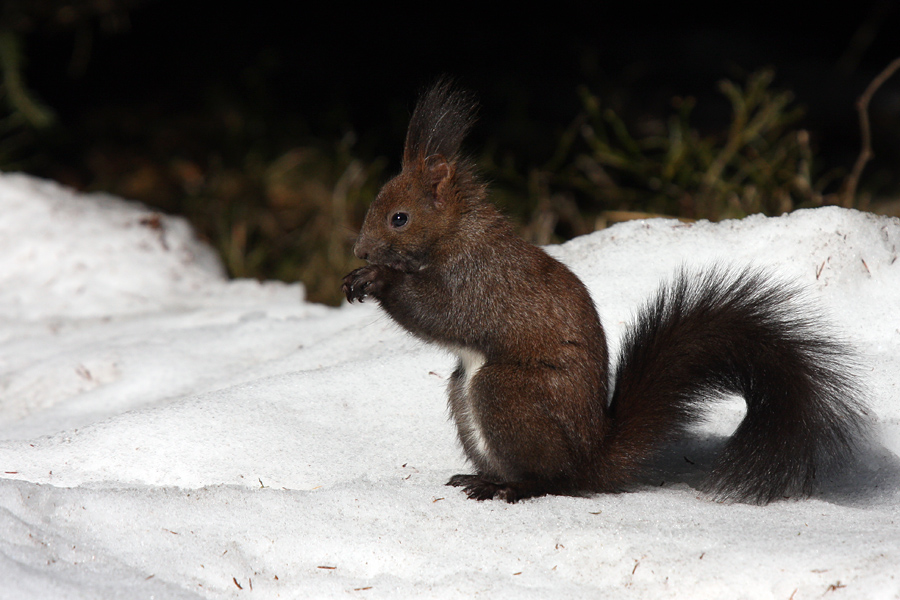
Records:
x=422, y=208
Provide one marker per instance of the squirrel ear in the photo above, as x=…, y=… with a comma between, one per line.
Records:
x=438, y=171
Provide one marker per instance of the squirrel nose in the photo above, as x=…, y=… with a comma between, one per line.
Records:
x=360, y=249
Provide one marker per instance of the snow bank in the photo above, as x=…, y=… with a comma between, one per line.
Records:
x=167, y=433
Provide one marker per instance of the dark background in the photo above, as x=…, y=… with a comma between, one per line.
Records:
x=193, y=106
x=326, y=70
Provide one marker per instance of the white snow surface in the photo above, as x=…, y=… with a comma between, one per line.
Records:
x=168, y=433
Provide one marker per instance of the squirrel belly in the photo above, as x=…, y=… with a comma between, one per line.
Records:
x=465, y=411
x=536, y=408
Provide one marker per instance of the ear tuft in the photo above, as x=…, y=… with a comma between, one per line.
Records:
x=442, y=118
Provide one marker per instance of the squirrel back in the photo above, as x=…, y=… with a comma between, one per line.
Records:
x=531, y=393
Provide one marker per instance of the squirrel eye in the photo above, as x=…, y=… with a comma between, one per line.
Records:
x=399, y=219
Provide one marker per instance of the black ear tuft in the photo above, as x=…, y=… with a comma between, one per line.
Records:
x=442, y=118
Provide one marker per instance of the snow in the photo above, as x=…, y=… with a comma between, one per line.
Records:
x=167, y=433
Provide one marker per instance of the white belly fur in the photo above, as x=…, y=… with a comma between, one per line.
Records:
x=470, y=427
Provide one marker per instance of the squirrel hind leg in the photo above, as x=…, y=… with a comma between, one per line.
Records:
x=477, y=487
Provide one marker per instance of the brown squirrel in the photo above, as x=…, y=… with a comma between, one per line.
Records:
x=531, y=392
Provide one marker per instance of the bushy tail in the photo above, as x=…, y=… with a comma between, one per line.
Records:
x=721, y=332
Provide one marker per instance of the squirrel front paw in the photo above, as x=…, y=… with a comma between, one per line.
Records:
x=361, y=282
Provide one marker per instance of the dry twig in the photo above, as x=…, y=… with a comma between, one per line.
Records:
x=848, y=193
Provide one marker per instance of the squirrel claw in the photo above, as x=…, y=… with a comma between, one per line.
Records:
x=462, y=480
x=480, y=489
x=352, y=293
x=356, y=284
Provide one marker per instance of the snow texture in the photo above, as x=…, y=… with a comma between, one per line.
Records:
x=167, y=433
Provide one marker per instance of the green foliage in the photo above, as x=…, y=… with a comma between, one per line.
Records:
x=761, y=164
x=16, y=94
x=293, y=218
x=20, y=113
x=15, y=138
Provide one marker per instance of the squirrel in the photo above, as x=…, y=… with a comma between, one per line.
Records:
x=535, y=404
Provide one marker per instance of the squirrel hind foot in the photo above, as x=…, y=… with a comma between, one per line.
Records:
x=477, y=487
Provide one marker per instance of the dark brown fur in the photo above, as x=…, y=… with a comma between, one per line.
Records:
x=530, y=394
